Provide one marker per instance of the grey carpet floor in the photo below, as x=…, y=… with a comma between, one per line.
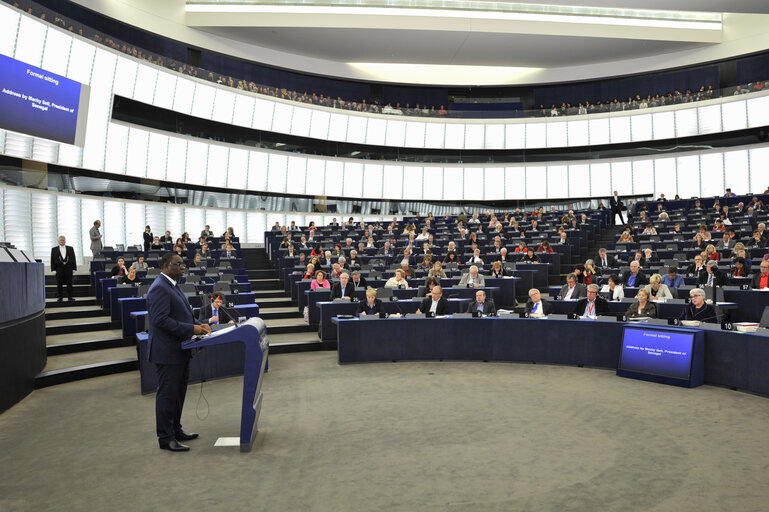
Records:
x=404, y=436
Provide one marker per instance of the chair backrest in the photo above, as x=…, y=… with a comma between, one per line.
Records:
x=222, y=287
x=421, y=291
x=680, y=256
x=153, y=272
x=384, y=293
x=226, y=277
x=671, y=263
x=765, y=318
x=673, y=291
x=143, y=289
x=187, y=287
x=120, y=247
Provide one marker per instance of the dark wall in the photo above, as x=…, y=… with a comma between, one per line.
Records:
x=22, y=357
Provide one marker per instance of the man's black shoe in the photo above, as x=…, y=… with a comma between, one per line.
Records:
x=60, y=299
x=182, y=436
x=175, y=446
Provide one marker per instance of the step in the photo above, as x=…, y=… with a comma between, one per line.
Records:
x=294, y=342
x=88, y=300
x=266, y=284
x=87, y=336
x=64, y=326
x=269, y=302
x=264, y=294
x=79, y=290
x=88, y=345
x=50, y=279
x=54, y=377
x=261, y=274
x=75, y=359
x=288, y=325
x=71, y=311
x=271, y=313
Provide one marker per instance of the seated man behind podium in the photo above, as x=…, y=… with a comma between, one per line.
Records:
x=537, y=305
x=698, y=309
x=213, y=313
x=398, y=280
x=370, y=306
x=761, y=278
x=482, y=305
x=472, y=279
x=593, y=305
x=435, y=305
x=344, y=289
x=572, y=290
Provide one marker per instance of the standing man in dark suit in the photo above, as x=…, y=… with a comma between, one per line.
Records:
x=171, y=322
x=95, y=236
x=616, y=208
x=435, y=305
x=481, y=305
x=64, y=264
x=148, y=238
x=593, y=305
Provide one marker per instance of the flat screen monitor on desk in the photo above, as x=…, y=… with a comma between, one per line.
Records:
x=668, y=356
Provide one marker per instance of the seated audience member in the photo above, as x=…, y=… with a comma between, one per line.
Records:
x=696, y=268
x=320, y=281
x=387, y=251
x=328, y=261
x=536, y=305
x=230, y=233
x=639, y=257
x=590, y=272
x=370, y=306
x=592, y=305
x=354, y=260
x=657, y=290
x=757, y=241
x=625, y=237
x=213, y=313
x=310, y=273
x=605, y=260
x=545, y=247
x=336, y=271
x=634, y=277
x=398, y=280
x=726, y=242
x=530, y=257
x=167, y=238
x=648, y=257
x=503, y=256
x=761, y=278
x=649, y=230
x=672, y=279
x=712, y=276
x=140, y=264
x=739, y=269
x=130, y=278
x=229, y=252
x=408, y=272
x=119, y=269
x=179, y=250
x=614, y=288
x=435, y=305
x=578, y=271
x=426, y=263
x=521, y=247
x=698, y=309
x=342, y=262
x=572, y=290
x=497, y=270
x=290, y=252
x=562, y=240
x=482, y=305
x=357, y=280
x=475, y=259
x=317, y=251
x=642, y=307
x=472, y=279
x=156, y=244
x=452, y=257
x=197, y=262
x=437, y=271
x=344, y=289
x=430, y=283
x=204, y=252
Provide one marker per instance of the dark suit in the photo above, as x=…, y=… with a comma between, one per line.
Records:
x=640, y=279
x=207, y=311
x=755, y=283
x=148, y=239
x=615, y=203
x=338, y=293
x=601, y=306
x=611, y=261
x=64, y=267
x=719, y=278
x=546, y=307
x=707, y=313
x=489, y=309
x=167, y=239
x=170, y=322
x=361, y=282
x=439, y=310
x=376, y=309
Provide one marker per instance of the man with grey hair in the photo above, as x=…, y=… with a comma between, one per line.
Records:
x=343, y=262
x=712, y=276
x=95, y=236
x=63, y=263
x=634, y=276
x=593, y=305
x=472, y=279
x=698, y=309
x=536, y=305
x=572, y=290
x=327, y=261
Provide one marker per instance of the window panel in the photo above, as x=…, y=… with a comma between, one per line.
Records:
x=224, y=105
x=536, y=135
x=136, y=162
x=99, y=109
x=475, y=135
x=688, y=176
x=300, y=123
x=356, y=129
x=599, y=131
x=164, y=91
x=665, y=177
x=353, y=179
x=454, y=135
x=709, y=119
x=157, y=156
x=413, y=182
x=392, y=185
x=557, y=180
x=117, y=143
x=135, y=222
x=194, y=221
x=375, y=132
x=203, y=100
x=396, y=133
x=579, y=133
x=758, y=178
x=686, y=122
x=494, y=183
x=536, y=182
x=236, y=219
x=600, y=180
x=155, y=218
x=319, y=124
x=579, y=181
x=297, y=175
x=453, y=184
x=758, y=111
x=372, y=181
x=263, y=114
x=44, y=226
x=495, y=136
x=113, y=224
x=90, y=211
x=281, y=120
x=515, y=182
x=415, y=134
x=664, y=125
x=69, y=223
x=556, y=134
x=712, y=174
x=276, y=175
x=472, y=187
x=619, y=129
x=56, y=54
x=176, y=162
x=641, y=127
x=515, y=136
x=436, y=184
x=337, y=127
x=175, y=221
x=216, y=167
x=146, y=77
x=216, y=218
x=643, y=177
x=197, y=162
x=9, y=25
x=334, y=178
x=257, y=171
x=185, y=92
x=736, y=171
x=621, y=178
x=244, y=110
x=237, y=169
x=256, y=225
x=29, y=46
x=735, y=116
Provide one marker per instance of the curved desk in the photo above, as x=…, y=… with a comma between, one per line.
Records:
x=736, y=360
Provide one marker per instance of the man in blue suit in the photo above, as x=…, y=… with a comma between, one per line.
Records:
x=171, y=322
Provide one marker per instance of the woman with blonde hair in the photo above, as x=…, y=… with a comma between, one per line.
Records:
x=657, y=290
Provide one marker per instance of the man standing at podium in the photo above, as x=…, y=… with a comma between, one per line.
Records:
x=171, y=322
